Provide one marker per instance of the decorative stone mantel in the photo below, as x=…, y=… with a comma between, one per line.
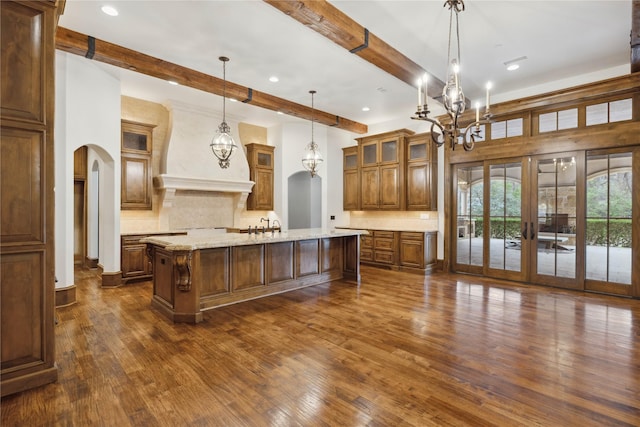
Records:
x=169, y=185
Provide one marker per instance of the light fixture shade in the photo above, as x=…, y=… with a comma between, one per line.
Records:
x=312, y=158
x=222, y=145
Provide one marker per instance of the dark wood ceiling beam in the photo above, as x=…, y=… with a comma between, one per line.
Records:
x=108, y=53
x=326, y=19
x=635, y=37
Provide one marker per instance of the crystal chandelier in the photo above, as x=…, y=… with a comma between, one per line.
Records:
x=222, y=143
x=312, y=159
x=452, y=96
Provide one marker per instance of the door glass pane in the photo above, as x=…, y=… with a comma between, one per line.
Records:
x=505, y=216
x=469, y=221
x=369, y=154
x=389, y=151
x=264, y=159
x=556, y=222
x=609, y=217
x=417, y=151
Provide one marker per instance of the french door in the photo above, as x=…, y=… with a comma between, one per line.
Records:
x=564, y=219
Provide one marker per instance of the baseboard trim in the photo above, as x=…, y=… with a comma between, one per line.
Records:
x=112, y=279
x=91, y=263
x=65, y=296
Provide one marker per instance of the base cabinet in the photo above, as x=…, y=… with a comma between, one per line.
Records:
x=412, y=251
x=135, y=261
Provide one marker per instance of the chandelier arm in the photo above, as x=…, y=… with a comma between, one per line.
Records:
x=458, y=37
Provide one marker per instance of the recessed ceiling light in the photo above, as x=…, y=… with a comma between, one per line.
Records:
x=171, y=82
x=514, y=64
x=366, y=108
x=280, y=112
x=274, y=79
x=110, y=10
x=232, y=99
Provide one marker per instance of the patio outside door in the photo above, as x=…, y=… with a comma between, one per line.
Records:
x=555, y=221
x=563, y=220
x=489, y=206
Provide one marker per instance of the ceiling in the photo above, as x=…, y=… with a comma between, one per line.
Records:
x=560, y=39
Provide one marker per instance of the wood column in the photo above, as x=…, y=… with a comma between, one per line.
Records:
x=27, y=276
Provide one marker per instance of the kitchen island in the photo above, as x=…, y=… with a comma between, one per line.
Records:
x=192, y=274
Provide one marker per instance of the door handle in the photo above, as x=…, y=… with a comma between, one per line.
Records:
x=533, y=233
x=524, y=232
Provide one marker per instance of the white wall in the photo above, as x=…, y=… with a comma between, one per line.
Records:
x=87, y=113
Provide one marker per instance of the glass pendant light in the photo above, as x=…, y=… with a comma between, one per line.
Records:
x=312, y=159
x=222, y=143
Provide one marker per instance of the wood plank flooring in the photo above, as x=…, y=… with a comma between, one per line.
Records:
x=396, y=350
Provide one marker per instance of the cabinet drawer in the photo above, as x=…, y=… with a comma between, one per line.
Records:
x=366, y=241
x=384, y=257
x=366, y=254
x=131, y=240
x=384, y=234
x=384, y=244
x=407, y=235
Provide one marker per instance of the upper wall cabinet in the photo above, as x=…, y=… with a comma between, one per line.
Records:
x=382, y=170
x=136, y=148
x=260, y=158
x=391, y=171
x=422, y=173
x=350, y=179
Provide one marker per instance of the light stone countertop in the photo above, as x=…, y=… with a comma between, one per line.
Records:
x=413, y=230
x=189, y=243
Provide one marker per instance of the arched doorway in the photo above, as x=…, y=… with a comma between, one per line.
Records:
x=305, y=201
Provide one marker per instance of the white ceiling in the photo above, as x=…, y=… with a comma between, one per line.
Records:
x=561, y=40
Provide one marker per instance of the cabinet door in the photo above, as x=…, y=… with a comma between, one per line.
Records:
x=390, y=194
x=263, y=190
x=134, y=260
x=369, y=154
x=389, y=152
x=418, y=186
x=350, y=190
x=412, y=250
x=370, y=188
x=136, y=182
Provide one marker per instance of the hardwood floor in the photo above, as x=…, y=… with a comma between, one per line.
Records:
x=397, y=350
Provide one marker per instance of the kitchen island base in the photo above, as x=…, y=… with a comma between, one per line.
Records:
x=188, y=281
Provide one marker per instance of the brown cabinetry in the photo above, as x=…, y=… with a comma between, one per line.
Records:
x=135, y=261
x=27, y=198
x=351, y=180
x=394, y=171
x=412, y=251
x=422, y=173
x=260, y=158
x=382, y=170
x=417, y=250
x=136, y=148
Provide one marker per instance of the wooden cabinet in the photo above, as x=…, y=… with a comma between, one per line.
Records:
x=135, y=261
x=136, y=148
x=27, y=267
x=422, y=173
x=412, y=251
x=379, y=247
x=260, y=158
x=395, y=171
x=382, y=170
x=417, y=250
x=350, y=180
